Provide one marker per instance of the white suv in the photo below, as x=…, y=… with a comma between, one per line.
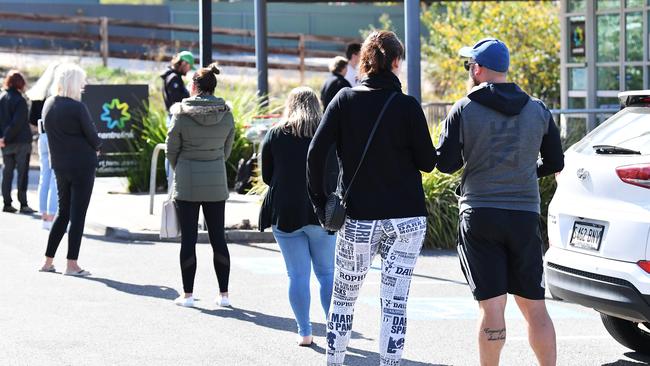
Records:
x=599, y=224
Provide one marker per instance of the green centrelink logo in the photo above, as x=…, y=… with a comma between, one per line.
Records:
x=112, y=108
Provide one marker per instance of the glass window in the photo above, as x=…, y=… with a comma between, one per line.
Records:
x=634, y=36
x=578, y=78
x=630, y=129
x=608, y=78
x=577, y=103
x=634, y=78
x=608, y=41
x=608, y=102
x=577, y=39
x=608, y=4
x=576, y=6
x=633, y=3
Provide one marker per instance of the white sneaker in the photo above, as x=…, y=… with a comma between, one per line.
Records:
x=223, y=301
x=47, y=225
x=187, y=302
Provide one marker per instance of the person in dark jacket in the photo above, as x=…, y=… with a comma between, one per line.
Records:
x=497, y=132
x=386, y=210
x=15, y=140
x=73, y=145
x=335, y=82
x=199, y=142
x=287, y=208
x=174, y=90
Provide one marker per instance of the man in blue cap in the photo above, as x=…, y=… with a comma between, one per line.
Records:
x=497, y=132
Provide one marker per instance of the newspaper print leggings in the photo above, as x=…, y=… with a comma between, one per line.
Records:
x=399, y=242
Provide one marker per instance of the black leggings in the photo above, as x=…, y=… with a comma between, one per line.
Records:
x=188, y=214
x=75, y=188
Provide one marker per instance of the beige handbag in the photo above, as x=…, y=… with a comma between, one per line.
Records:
x=169, y=225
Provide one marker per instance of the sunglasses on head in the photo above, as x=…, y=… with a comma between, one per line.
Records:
x=468, y=63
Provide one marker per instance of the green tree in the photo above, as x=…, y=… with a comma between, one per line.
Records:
x=530, y=29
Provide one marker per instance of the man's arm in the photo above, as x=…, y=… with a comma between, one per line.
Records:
x=450, y=148
x=552, y=160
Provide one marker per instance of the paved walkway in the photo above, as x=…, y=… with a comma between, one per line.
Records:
x=114, y=213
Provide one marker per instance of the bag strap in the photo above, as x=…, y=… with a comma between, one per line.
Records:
x=365, y=150
x=170, y=184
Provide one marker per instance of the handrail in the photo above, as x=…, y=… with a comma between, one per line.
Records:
x=152, y=177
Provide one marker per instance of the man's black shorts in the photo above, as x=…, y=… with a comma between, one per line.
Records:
x=500, y=252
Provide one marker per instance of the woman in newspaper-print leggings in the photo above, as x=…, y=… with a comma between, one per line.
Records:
x=386, y=212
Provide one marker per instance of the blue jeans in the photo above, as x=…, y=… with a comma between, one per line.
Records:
x=47, y=192
x=307, y=245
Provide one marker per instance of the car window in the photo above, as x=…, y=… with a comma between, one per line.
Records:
x=629, y=128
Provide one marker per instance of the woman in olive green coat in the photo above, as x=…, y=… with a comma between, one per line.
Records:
x=199, y=142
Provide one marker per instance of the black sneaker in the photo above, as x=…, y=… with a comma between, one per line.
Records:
x=9, y=209
x=26, y=210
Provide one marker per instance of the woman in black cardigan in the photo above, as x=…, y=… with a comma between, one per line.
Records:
x=288, y=211
x=386, y=212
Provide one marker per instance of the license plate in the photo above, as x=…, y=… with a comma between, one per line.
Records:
x=587, y=235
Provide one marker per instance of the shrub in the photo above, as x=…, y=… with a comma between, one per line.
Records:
x=442, y=206
x=153, y=132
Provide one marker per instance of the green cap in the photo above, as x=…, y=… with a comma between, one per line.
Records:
x=187, y=56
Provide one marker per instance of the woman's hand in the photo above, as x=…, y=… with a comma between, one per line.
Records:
x=2, y=143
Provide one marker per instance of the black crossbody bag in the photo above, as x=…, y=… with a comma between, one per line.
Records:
x=335, y=206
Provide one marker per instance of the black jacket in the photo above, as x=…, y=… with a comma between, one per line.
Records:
x=389, y=182
x=71, y=134
x=174, y=89
x=333, y=84
x=14, y=125
x=284, y=163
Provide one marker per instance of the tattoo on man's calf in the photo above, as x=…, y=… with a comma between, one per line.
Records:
x=495, y=334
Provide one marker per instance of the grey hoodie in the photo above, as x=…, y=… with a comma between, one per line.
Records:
x=198, y=143
x=498, y=133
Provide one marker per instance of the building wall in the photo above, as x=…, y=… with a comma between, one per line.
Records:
x=604, y=51
x=318, y=19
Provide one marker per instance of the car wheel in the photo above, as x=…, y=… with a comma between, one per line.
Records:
x=627, y=333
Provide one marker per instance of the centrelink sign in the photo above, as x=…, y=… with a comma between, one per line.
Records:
x=117, y=111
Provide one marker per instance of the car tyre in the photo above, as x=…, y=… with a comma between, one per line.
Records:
x=627, y=333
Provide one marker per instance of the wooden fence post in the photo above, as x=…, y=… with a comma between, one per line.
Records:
x=301, y=50
x=103, y=34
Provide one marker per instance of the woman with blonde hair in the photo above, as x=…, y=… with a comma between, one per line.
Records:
x=73, y=145
x=47, y=192
x=288, y=211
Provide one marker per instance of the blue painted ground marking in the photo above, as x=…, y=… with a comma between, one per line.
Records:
x=441, y=308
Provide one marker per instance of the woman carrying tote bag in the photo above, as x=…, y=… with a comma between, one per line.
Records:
x=385, y=205
x=199, y=142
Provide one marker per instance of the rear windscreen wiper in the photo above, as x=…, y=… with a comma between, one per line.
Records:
x=611, y=149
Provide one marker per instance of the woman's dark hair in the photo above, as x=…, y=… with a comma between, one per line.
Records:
x=205, y=79
x=14, y=80
x=379, y=51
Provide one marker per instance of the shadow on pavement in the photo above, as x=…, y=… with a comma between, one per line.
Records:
x=257, y=246
x=269, y=321
x=160, y=292
x=355, y=357
x=358, y=357
x=635, y=356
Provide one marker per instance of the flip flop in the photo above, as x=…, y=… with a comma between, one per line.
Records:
x=50, y=269
x=79, y=273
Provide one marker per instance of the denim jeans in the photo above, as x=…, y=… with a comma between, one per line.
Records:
x=47, y=192
x=307, y=245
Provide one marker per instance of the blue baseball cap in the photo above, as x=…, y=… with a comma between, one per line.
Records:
x=489, y=52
